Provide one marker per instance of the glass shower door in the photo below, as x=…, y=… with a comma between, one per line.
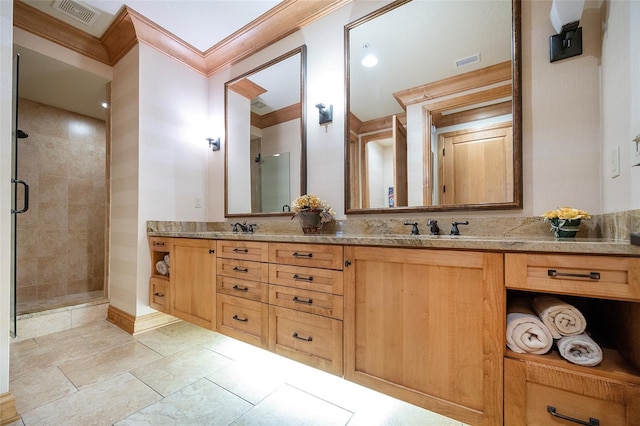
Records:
x=15, y=182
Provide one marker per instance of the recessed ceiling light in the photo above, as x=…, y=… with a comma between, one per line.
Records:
x=369, y=60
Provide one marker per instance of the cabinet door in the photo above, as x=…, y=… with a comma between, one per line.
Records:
x=193, y=272
x=426, y=326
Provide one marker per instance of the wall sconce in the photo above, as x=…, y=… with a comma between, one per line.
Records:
x=565, y=16
x=326, y=114
x=214, y=144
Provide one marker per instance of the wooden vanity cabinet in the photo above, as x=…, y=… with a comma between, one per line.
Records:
x=159, y=288
x=549, y=390
x=427, y=326
x=306, y=304
x=193, y=272
x=243, y=291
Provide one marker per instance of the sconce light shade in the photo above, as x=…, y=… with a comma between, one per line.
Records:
x=326, y=113
x=214, y=144
x=565, y=17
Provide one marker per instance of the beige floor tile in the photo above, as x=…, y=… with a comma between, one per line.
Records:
x=101, y=404
x=34, y=390
x=384, y=410
x=329, y=387
x=249, y=380
x=104, y=365
x=290, y=406
x=177, y=337
x=175, y=371
x=201, y=403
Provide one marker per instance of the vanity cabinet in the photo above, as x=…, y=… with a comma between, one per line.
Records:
x=193, y=272
x=306, y=304
x=547, y=389
x=159, y=288
x=427, y=326
x=243, y=291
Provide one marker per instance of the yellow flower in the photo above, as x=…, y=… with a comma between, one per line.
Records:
x=566, y=213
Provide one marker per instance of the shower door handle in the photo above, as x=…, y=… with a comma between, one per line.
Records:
x=26, y=196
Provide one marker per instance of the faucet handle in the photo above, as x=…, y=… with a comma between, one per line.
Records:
x=454, y=227
x=414, y=230
x=250, y=227
x=234, y=227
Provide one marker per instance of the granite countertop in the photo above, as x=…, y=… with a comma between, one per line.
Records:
x=462, y=242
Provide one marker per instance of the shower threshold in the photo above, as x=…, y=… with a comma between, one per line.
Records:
x=83, y=299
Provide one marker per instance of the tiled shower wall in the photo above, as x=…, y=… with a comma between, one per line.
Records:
x=61, y=238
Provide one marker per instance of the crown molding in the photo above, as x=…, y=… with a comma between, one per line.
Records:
x=130, y=28
x=30, y=19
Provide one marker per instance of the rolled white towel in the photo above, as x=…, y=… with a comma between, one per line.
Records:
x=562, y=319
x=162, y=268
x=525, y=332
x=166, y=259
x=580, y=350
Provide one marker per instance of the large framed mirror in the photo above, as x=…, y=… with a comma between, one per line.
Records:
x=434, y=118
x=265, y=127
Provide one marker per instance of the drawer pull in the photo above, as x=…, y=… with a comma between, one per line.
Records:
x=235, y=268
x=235, y=317
x=591, y=422
x=590, y=275
x=304, y=339
x=299, y=278
x=235, y=287
x=158, y=244
x=309, y=255
x=241, y=250
x=158, y=294
x=306, y=302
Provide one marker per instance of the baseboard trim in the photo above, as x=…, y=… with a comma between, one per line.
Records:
x=134, y=325
x=8, y=412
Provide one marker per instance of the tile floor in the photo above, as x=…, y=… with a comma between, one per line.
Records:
x=97, y=374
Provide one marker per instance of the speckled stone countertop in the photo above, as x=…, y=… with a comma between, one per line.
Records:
x=505, y=235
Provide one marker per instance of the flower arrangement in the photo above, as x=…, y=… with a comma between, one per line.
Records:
x=309, y=202
x=565, y=221
x=566, y=213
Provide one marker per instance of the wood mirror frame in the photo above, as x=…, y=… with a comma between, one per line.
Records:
x=439, y=96
x=249, y=90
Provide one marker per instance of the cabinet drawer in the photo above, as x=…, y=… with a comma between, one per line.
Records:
x=243, y=250
x=532, y=390
x=242, y=319
x=160, y=244
x=158, y=295
x=253, y=271
x=596, y=276
x=313, y=302
x=313, y=255
x=308, y=338
x=252, y=290
x=325, y=280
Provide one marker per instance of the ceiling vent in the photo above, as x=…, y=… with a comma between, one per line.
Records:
x=474, y=59
x=77, y=11
x=258, y=104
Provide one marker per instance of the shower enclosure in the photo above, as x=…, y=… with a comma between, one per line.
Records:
x=59, y=202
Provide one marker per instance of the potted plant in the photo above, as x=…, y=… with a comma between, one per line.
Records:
x=565, y=221
x=313, y=213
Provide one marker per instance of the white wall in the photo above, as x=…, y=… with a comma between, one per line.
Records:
x=6, y=55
